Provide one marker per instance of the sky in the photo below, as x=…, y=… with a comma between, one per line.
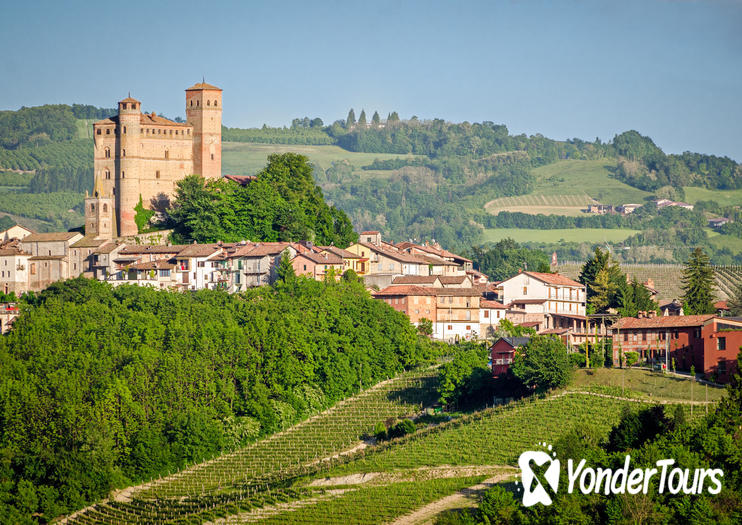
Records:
x=668, y=69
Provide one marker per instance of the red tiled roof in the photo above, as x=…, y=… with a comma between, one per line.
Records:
x=198, y=250
x=452, y=279
x=405, y=290
x=129, y=99
x=669, y=321
x=48, y=237
x=319, y=258
x=262, y=249
x=553, y=278
x=139, y=249
x=345, y=254
x=200, y=86
x=370, y=233
x=492, y=304
x=721, y=305
x=415, y=279
x=152, y=265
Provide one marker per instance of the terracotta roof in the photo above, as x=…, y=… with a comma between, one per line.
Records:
x=415, y=279
x=12, y=251
x=198, y=250
x=152, y=265
x=406, y=290
x=47, y=258
x=492, y=304
x=262, y=249
x=398, y=256
x=669, y=321
x=528, y=301
x=554, y=278
x=571, y=316
x=153, y=119
x=370, y=233
x=129, y=99
x=345, y=254
x=554, y=331
x=48, y=237
x=88, y=242
x=107, y=247
x=199, y=86
x=453, y=279
x=138, y=249
x=530, y=324
x=721, y=305
x=318, y=258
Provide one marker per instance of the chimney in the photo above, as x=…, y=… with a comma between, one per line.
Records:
x=640, y=314
x=651, y=314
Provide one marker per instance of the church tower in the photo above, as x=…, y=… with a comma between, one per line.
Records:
x=204, y=113
x=99, y=213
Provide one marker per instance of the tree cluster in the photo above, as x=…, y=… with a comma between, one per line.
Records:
x=283, y=204
x=103, y=387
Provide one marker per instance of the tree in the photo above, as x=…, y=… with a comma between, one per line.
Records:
x=698, y=282
x=735, y=302
x=375, y=119
x=425, y=327
x=602, y=278
x=543, y=363
x=362, y=118
x=285, y=270
x=350, y=121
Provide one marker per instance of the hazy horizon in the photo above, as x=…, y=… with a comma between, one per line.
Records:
x=671, y=70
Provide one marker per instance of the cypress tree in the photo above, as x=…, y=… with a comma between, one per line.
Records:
x=362, y=118
x=698, y=282
x=351, y=120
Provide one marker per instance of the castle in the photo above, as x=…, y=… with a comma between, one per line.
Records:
x=140, y=156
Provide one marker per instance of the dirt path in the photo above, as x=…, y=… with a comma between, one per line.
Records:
x=465, y=498
x=637, y=399
x=417, y=474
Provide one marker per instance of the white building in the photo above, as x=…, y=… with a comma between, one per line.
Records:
x=544, y=292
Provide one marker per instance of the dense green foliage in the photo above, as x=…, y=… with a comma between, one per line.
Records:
x=283, y=204
x=266, y=135
x=142, y=216
x=465, y=379
x=504, y=259
x=60, y=211
x=648, y=436
x=102, y=387
x=41, y=125
x=698, y=283
x=543, y=363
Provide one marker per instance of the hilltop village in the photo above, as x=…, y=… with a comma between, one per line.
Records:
x=140, y=157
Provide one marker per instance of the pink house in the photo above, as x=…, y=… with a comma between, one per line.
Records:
x=316, y=265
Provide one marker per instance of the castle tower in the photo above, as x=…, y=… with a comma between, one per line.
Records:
x=99, y=213
x=204, y=113
x=128, y=136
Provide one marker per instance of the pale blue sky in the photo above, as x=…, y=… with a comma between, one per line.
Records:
x=669, y=69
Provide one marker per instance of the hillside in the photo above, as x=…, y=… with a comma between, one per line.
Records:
x=667, y=277
x=321, y=470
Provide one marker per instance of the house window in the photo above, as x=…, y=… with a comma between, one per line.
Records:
x=33, y=268
x=722, y=366
x=721, y=343
x=675, y=334
x=486, y=314
x=468, y=327
x=644, y=336
x=525, y=290
x=498, y=314
x=625, y=337
x=305, y=267
x=450, y=327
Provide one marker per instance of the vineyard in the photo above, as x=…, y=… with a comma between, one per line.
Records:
x=322, y=470
x=668, y=277
x=541, y=204
x=72, y=154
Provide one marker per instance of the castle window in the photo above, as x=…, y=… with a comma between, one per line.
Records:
x=171, y=131
x=97, y=131
x=157, y=174
x=108, y=174
x=208, y=102
x=124, y=129
x=107, y=152
x=191, y=102
x=108, y=131
x=167, y=154
x=133, y=106
x=123, y=175
x=198, y=103
x=123, y=105
x=123, y=153
x=159, y=132
x=215, y=103
x=92, y=207
x=105, y=208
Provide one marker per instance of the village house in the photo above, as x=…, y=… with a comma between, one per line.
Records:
x=14, y=268
x=490, y=315
x=14, y=232
x=257, y=264
x=49, y=261
x=317, y=265
x=707, y=342
x=543, y=293
x=417, y=302
x=503, y=351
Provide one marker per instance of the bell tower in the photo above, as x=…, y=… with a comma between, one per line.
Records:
x=204, y=113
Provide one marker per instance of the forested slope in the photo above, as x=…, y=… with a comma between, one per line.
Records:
x=102, y=387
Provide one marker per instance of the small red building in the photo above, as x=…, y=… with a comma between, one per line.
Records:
x=503, y=351
x=706, y=342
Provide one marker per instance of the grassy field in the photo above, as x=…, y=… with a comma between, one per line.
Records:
x=242, y=158
x=650, y=385
x=559, y=235
x=85, y=128
x=724, y=241
x=723, y=197
x=577, y=177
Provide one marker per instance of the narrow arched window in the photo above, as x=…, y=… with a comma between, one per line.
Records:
x=108, y=174
x=215, y=103
x=107, y=152
x=198, y=102
x=208, y=102
x=167, y=154
x=123, y=153
x=92, y=207
x=105, y=208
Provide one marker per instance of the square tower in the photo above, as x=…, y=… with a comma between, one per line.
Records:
x=204, y=113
